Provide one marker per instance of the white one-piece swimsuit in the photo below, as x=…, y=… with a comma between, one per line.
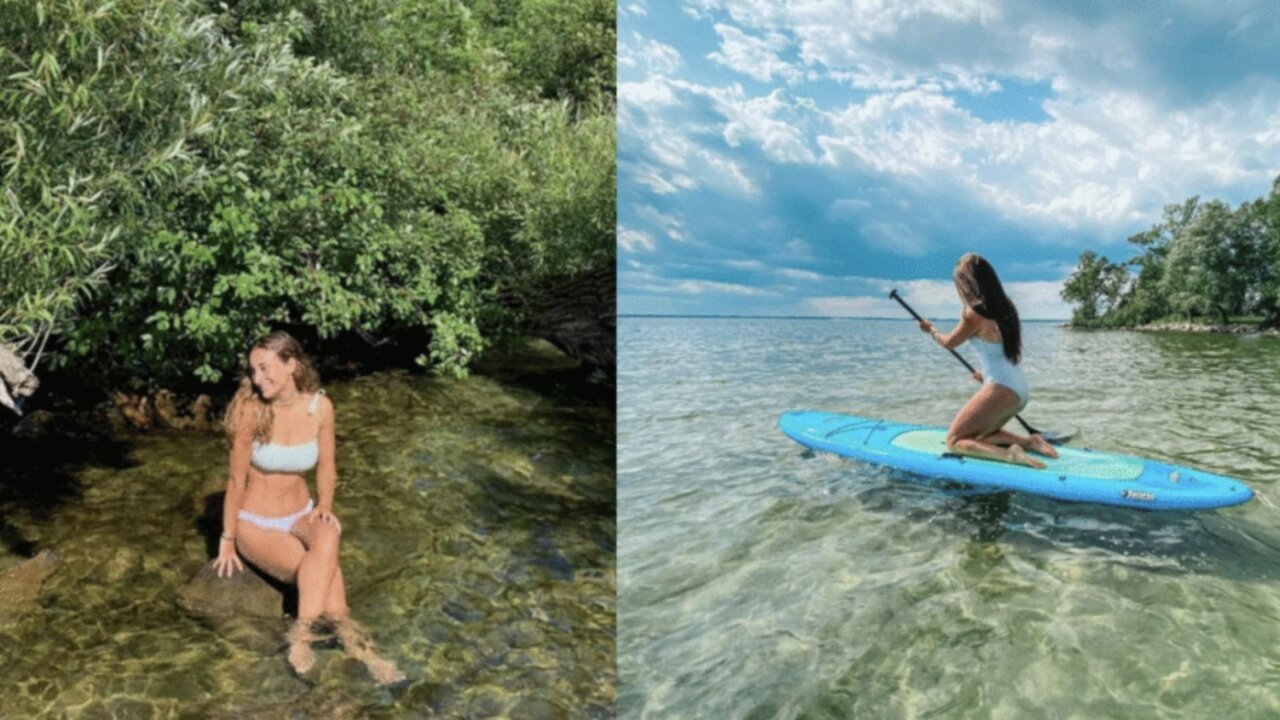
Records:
x=997, y=369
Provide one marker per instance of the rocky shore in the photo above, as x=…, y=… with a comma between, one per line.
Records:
x=1187, y=327
x=1233, y=329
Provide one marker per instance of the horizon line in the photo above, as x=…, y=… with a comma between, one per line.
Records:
x=807, y=317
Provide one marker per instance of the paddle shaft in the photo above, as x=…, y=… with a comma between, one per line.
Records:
x=894, y=294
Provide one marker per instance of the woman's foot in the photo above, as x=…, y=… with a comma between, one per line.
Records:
x=359, y=646
x=1019, y=456
x=301, y=657
x=1042, y=446
x=383, y=671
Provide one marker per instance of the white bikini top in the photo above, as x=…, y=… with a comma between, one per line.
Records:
x=276, y=458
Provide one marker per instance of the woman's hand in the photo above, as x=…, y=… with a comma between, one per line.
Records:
x=228, y=561
x=325, y=515
x=927, y=326
x=977, y=375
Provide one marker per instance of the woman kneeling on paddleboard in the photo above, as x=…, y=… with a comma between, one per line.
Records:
x=990, y=318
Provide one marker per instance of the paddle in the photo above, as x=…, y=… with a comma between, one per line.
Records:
x=1050, y=437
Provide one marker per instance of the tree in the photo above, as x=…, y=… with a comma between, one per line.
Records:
x=97, y=107
x=379, y=169
x=1261, y=221
x=1096, y=286
x=1202, y=274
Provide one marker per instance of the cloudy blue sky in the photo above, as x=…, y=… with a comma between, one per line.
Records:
x=804, y=157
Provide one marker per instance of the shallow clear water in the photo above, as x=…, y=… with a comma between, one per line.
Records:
x=478, y=546
x=760, y=580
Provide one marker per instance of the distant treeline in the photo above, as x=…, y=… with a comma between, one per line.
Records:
x=1203, y=260
x=180, y=176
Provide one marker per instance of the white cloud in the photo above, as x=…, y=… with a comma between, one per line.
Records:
x=806, y=275
x=927, y=297
x=699, y=287
x=1047, y=41
x=654, y=56
x=754, y=119
x=728, y=173
x=670, y=225
x=897, y=238
x=857, y=306
x=649, y=281
x=1035, y=300
x=656, y=180
x=634, y=240
x=753, y=56
x=1108, y=154
x=881, y=77
x=908, y=134
x=670, y=143
x=847, y=208
x=654, y=111
x=835, y=32
x=1102, y=162
x=1038, y=300
x=649, y=95
x=798, y=249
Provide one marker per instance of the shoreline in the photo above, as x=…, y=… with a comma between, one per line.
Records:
x=1187, y=327
x=87, y=412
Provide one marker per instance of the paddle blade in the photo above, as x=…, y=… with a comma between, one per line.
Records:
x=1054, y=438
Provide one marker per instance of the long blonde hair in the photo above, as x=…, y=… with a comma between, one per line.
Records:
x=246, y=399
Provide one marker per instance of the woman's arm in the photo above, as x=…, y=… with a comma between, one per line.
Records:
x=963, y=330
x=326, y=467
x=237, y=483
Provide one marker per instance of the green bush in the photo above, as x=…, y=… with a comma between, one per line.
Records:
x=374, y=168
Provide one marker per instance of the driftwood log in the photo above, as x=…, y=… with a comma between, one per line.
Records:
x=579, y=315
x=17, y=383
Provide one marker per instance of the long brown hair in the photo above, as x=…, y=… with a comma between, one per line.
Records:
x=981, y=283
x=305, y=378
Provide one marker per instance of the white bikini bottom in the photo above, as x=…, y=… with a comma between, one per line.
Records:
x=282, y=523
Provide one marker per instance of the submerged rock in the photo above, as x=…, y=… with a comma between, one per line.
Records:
x=20, y=585
x=538, y=708
x=246, y=593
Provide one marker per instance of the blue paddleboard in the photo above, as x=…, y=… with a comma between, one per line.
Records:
x=1077, y=475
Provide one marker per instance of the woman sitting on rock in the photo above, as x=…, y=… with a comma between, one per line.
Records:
x=281, y=426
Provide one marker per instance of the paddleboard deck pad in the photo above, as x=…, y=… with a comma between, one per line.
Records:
x=1077, y=475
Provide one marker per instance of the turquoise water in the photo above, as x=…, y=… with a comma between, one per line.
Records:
x=758, y=580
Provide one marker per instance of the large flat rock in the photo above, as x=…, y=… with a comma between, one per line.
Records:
x=245, y=594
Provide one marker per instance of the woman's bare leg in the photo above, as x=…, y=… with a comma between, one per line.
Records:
x=280, y=555
x=1035, y=443
x=318, y=567
x=322, y=590
x=984, y=415
x=356, y=641
x=275, y=553
x=335, y=604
